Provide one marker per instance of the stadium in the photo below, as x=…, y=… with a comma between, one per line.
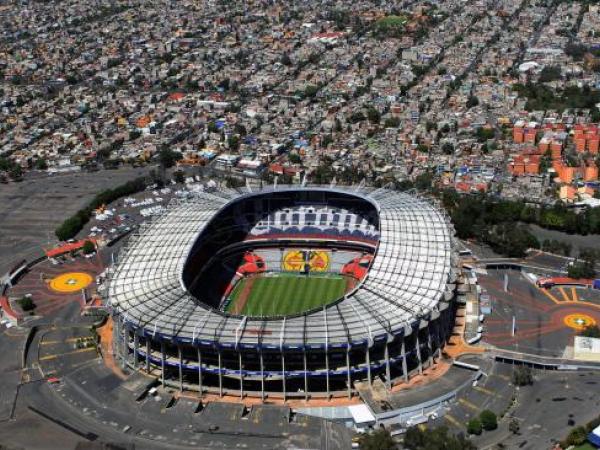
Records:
x=286, y=291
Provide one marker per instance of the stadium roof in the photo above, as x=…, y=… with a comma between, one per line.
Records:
x=410, y=278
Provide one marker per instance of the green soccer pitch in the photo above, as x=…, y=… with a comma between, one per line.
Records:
x=285, y=293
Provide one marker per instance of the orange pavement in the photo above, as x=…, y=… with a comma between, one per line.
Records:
x=105, y=332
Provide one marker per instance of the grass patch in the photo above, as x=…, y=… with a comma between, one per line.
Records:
x=285, y=294
x=586, y=446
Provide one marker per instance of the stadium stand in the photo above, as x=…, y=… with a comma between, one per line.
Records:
x=168, y=283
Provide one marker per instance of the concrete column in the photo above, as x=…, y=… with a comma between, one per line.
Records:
x=147, y=355
x=283, y=375
x=262, y=377
x=241, y=376
x=162, y=363
x=368, y=361
x=220, y=375
x=199, y=371
x=439, y=341
x=404, y=365
x=388, y=372
x=136, y=343
x=349, y=377
x=180, y=367
x=125, y=345
x=418, y=347
x=118, y=338
x=327, y=371
x=429, y=347
x=305, y=378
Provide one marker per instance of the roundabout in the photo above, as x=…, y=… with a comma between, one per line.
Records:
x=70, y=282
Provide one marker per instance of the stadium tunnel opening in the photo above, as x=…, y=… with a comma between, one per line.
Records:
x=299, y=233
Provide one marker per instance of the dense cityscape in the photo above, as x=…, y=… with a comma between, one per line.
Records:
x=173, y=173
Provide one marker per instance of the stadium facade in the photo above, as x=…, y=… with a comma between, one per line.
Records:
x=171, y=285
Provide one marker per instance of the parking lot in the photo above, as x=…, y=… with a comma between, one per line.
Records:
x=63, y=349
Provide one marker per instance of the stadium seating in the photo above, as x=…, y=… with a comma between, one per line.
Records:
x=310, y=220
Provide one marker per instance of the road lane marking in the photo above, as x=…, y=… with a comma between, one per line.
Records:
x=485, y=391
x=574, y=292
x=564, y=294
x=468, y=404
x=548, y=294
x=453, y=421
x=66, y=341
x=80, y=350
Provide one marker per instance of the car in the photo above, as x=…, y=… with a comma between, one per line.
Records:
x=53, y=380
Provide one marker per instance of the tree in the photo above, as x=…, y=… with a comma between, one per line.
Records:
x=514, y=426
x=26, y=304
x=577, y=436
x=472, y=101
x=474, y=426
x=41, y=164
x=233, y=142
x=488, y=420
x=591, y=331
x=134, y=134
x=294, y=158
x=88, y=247
x=522, y=376
x=168, y=157
x=392, y=122
x=373, y=115
x=416, y=438
x=585, y=267
x=448, y=148
x=550, y=73
x=311, y=90
x=16, y=172
x=179, y=176
x=380, y=439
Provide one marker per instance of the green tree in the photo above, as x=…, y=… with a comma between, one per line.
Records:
x=373, y=115
x=440, y=438
x=488, y=420
x=26, y=304
x=522, y=376
x=392, y=122
x=584, y=267
x=474, y=426
x=168, y=157
x=590, y=331
x=577, y=436
x=179, y=176
x=295, y=158
x=15, y=172
x=377, y=440
x=41, y=164
x=448, y=148
x=550, y=73
x=472, y=101
x=88, y=247
x=233, y=142
x=514, y=426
